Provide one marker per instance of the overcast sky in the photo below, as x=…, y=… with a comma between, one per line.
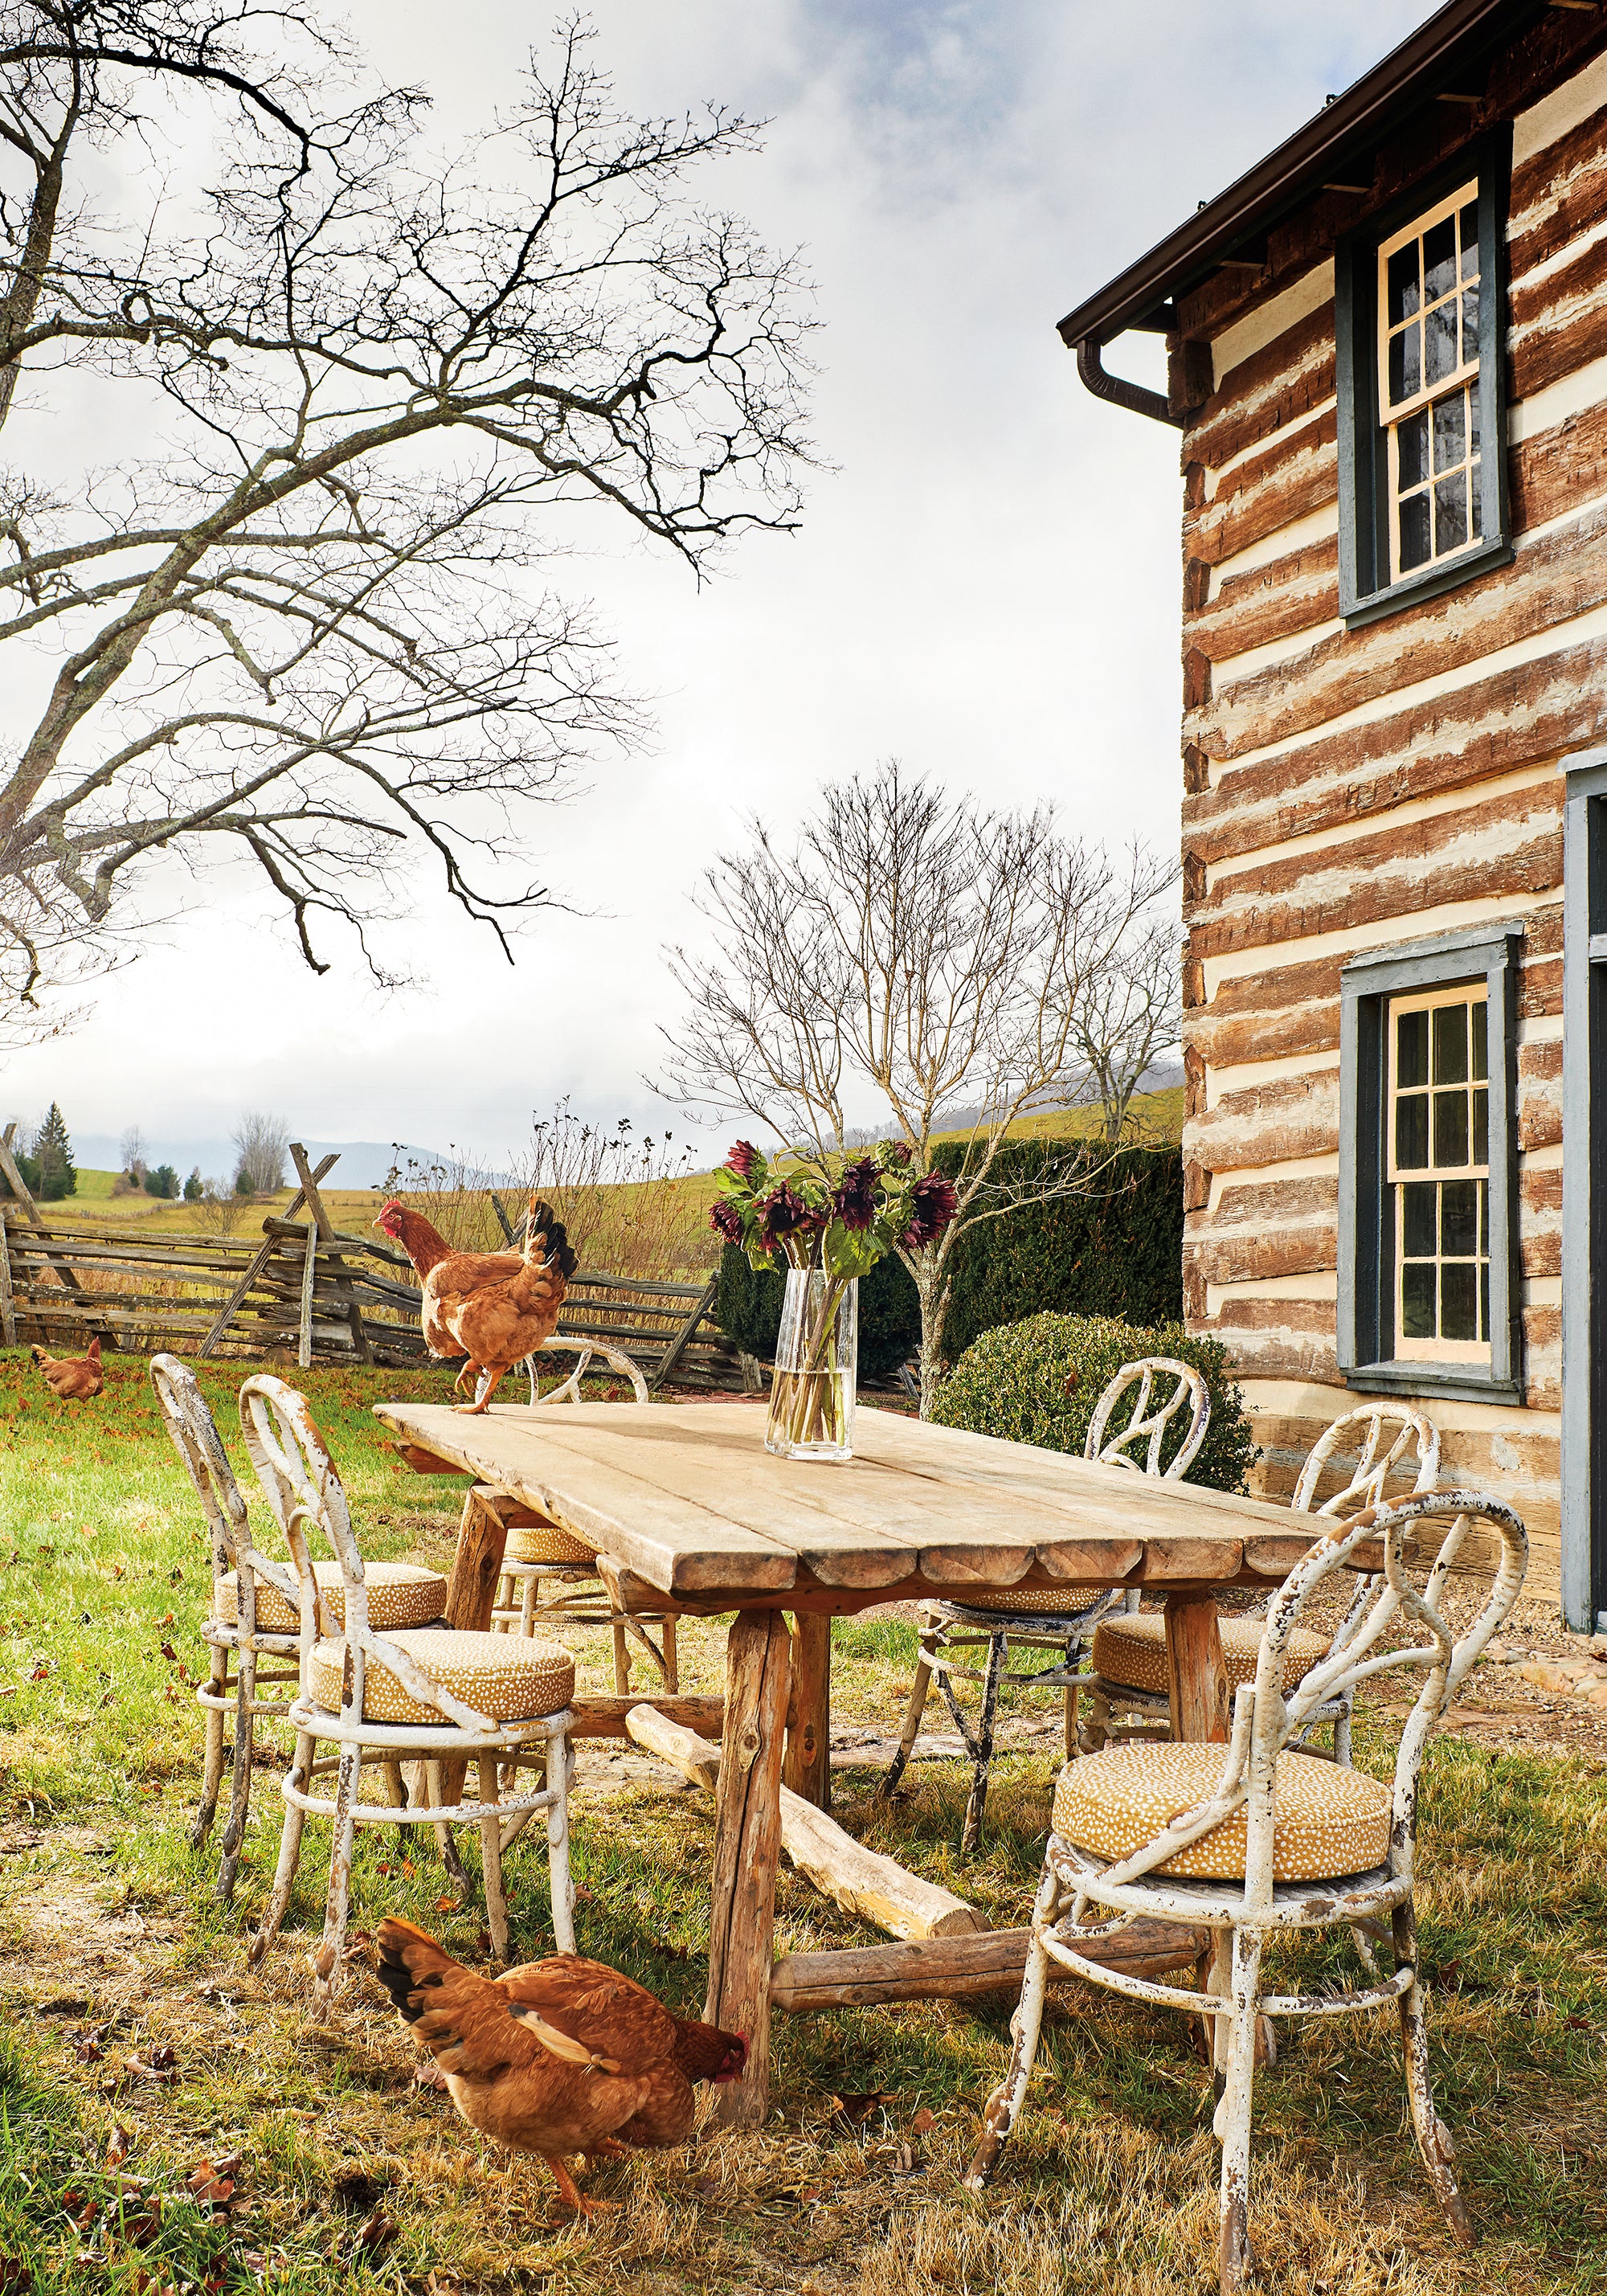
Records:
x=985, y=584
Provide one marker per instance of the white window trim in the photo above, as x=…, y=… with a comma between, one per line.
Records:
x=1428, y=1000
x=1427, y=394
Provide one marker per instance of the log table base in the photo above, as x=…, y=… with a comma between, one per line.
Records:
x=747, y=1847
x=1196, y=1671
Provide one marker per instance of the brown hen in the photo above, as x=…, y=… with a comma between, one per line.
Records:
x=74, y=1378
x=496, y=1307
x=563, y=2055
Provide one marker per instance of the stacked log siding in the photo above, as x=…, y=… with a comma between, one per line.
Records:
x=1351, y=789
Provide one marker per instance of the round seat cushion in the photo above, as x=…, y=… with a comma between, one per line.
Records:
x=1052, y=1601
x=1131, y=1649
x=543, y=1542
x=511, y=1677
x=400, y=1595
x=1327, y=1821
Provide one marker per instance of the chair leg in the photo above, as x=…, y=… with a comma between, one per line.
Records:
x=1002, y=2108
x=912, y=1724
x=491, y=1856
x=397, y=1785
x=1341, y=1733
x=326, y=1960
x=559, y=1882
x=530, y=1587
x=672, y=1667
x=289, y=1851
x=621, y=1660
x=971, y=1833
x=1434, y=2140
x=1234, y=2113
x=211, y=1775
x=1095, y=1733
x=240, y=1794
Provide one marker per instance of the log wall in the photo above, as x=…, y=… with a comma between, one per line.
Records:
x=1350, y=790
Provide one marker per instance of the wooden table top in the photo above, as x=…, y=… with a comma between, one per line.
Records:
x=686, y=1498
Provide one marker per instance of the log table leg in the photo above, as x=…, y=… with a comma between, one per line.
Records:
x=747, y=1846
x=807, y=1767
x=1198, y=1675
x=482, y=1540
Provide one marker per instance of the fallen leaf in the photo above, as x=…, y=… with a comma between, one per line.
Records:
x=119, y=2145
x=212, y=2182
x=451, y=1905
x=40, y=1673
x=705, y=2187
x=165, y=1619
x=858, y=2106
x=923, y=2120
x=157, y=2064
x=376, y=2232
x=169, y=1653
x=88, y=2051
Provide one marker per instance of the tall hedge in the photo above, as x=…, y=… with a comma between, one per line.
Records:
x=1117, y=1250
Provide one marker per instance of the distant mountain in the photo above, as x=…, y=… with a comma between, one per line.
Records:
x=364, y=1163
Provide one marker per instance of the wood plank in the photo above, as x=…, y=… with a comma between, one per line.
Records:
x=963, y=1968
x=428, y=1463
x=876, y=1888
x=8, y=1314
x=599, y=1717
x=673, y=1353
x=747, y=1843
x=807, y=1770
x=309, y=1261
x=326, y=1229
x=673, y=1545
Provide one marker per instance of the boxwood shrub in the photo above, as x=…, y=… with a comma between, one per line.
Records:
x=1039, y=1382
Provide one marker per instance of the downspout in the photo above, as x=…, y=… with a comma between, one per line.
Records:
x=1133, y=396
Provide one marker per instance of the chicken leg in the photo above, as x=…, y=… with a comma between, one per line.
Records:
x=571, y=2193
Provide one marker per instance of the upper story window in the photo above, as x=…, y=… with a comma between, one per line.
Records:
x=1423, y=505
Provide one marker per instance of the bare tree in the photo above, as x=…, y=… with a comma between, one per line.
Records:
x=971, y=968
x=261, y=1145
x=135, y=1155
x=352, y=392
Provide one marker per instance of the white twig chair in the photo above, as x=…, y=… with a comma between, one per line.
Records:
x=1128, y=1685
x=428, y=1695
x=1257, y=1839
x=232, y=1631
x=541, y=1556
x=1047, y=1618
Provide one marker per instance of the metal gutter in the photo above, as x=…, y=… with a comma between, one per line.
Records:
x=1410, y=76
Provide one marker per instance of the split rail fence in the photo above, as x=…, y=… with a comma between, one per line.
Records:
x=303, y=1291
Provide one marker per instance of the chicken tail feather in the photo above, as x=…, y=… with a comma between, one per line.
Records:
x=409, y=1961
x=544, y=1229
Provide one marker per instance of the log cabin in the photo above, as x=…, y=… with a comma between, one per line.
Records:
x=1387, y=362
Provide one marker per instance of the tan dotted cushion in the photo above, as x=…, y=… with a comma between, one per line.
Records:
x=1051, y=1599
x=543, y=1542
x=1132, y=1649
x=1327, y=1821
x=511, y=1677
x=400, y=1595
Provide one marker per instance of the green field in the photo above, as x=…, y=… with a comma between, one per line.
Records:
x=351, y=2177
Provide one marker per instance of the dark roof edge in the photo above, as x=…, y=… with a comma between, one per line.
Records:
x=1362, y=113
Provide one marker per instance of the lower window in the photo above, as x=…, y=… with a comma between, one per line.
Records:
x=1428, y=1286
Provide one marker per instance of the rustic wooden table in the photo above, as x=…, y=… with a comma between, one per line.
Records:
x=684, y=1502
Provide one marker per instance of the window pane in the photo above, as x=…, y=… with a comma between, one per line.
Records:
x=1419, y=1207
x=1412, y=453
x=1414, y=532
x=1450, y=431
x=1470, y=324
x=1483, y=1187
x=1484, y=1302
x=1440, y=346
x=1405, y=365
x=1469, y=240
x=1475, y=524
x=1458, y=1300
x=1417, y=1301
x=1412, y=1131
x=1450, y=1044
x=1402, y=291
x=1480, y=1016
x=1412, y=1048
x=1440, y=259
x=1450, y=1128
x=1450, y=514
x=1459, y=1218
x=1482, y=1128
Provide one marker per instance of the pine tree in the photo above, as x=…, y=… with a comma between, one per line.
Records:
x=53, y=1152
x=193, y=1190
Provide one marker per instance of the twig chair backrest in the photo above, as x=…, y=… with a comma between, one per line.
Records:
x=1187, y=1387
x=1382, y=1435
x=1400, y=1626
x=194, y=1434
x=304, y=1490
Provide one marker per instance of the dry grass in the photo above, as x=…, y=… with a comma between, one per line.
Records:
x=108, y=1933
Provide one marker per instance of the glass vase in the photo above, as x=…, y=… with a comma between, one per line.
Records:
x=816, y=1363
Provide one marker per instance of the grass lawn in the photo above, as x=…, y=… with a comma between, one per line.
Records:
x=351, y=2176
